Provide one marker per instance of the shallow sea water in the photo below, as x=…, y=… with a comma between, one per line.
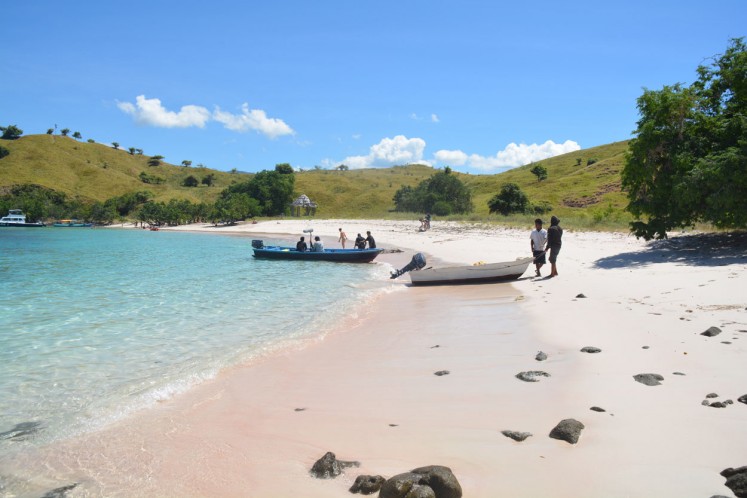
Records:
x=98, y=323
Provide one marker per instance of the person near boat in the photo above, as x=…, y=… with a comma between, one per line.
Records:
x=554, y=236
x=360, y=242
x=538, y=239
x=343, y=238
x=370, y=240
x=301, y=245
x=318, y=245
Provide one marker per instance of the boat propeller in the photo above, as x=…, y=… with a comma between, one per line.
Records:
x=416, y=263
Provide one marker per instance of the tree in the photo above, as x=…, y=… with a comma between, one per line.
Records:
x=284, y=169
x=272, y=190
x=77, y=135
x=50, y=131
x=139, y=152
x=688, y=160
x=155, y=160
x=342, y=167
x=115, y=145
x=443, y=193
x=540, y=172
x=186, y=163
x=208, y=180
x=511, y=199
x=11, y=132
x=190, y=181
x=65, y=131
x=131, y=150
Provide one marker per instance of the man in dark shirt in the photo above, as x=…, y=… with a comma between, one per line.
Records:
x=370, y=240
x=554, y=236
x=301, y=245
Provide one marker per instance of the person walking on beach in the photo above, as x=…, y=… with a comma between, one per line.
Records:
x=538, y=239
x=370, y=240
x=554, y=236
x=301, y=245
x=343, y=238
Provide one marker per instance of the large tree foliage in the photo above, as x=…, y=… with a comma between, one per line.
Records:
x=11, y=132
x=511, y=199
x=442, y=194
x=273, y=190
x=688, y=161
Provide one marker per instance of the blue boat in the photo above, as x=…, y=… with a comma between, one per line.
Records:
x=262, y=251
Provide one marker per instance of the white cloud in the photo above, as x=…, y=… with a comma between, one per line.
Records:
x=151, y=112
x=512, y=156
x=389, y=152
x=434, y=118
x=253, y=119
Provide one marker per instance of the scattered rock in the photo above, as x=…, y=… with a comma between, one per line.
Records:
x=712, y=395
x=729, y=402
x=367, y=485
x=590, y=349
x=516, y=435
x=597, y=409
x=649, y=379
x=21, y=431
x=705, y=402
x=434, y=481
x=541, y=356
x=567, y=430
x=442, y=372
x=711, y=332
x=329, y=466
x=531, y=376
x=60, y=492
x=743, y=399
x=393, y=425
x=725, y=342
x=677, y=373
x=436, y=346
x=736, y=480
x=718, y=404
x=299, y=409
x=581, y=296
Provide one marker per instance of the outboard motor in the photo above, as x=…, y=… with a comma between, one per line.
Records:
x=416, y=263
x=258, y=244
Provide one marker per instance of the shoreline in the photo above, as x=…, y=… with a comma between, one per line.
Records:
x=645, y=308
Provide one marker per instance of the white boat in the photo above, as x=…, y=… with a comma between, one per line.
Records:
x=16, y=218
x=473, y=274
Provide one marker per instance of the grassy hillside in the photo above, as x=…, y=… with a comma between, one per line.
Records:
x=89, y=171
x=92, y=171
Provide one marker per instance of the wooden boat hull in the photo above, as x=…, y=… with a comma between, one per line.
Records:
x=492, y=272
x=333, y=255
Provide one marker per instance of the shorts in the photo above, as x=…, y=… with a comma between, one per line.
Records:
x=554, y=250
x=539, y=257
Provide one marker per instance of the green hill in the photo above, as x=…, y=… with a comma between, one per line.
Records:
x=581, y=184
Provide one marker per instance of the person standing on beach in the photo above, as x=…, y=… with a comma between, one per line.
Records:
x=538, y=239
x=343, y=238
x=554, y=236
x=370, y=240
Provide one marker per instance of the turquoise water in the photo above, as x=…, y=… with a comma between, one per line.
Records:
x=97, y=323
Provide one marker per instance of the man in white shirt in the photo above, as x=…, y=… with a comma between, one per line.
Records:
x=538, y=239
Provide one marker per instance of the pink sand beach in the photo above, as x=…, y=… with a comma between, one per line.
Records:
x=368, y=390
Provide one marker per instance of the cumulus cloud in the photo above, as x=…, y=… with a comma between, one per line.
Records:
x=389, y=152
x=151, y=112
x=253, y=119
x=512, y=156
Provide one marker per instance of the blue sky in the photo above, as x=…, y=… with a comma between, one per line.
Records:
x=480, y=86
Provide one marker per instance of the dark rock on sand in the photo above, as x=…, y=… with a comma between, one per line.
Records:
x=736, y=480
x=567, y=430
x=743, y=399
x=531, y=376
x=22, y=431
x=590, y=349
x=581, y=296
x=649, y=379
x=677, y=373
x=516, y=435
x=329, y=466
x=60, y=492
x=299, y=409
x=367, y=485
x=711, y=395
x=711, y=332
x=705, y=402
x=597, y=409
x=644, y=347
x=442, y=372
x=718, y=404
x=541, y=356
x=434, y=481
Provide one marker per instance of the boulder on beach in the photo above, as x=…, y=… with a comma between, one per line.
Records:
x=541, y=356
x=434, y=481
x=441, y=373
x=736, y=480
x=590, y=349
x=568, y=430
x=329, y=466
x=711, y=332
x=649, y=379
x=531, y=376
x=367, y=485
x=743, y=399
x=516, y=435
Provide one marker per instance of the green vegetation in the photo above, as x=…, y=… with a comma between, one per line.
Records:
x=442, y=194
x=688, y=162
x=540, y=172
x=273, y=190
x=11, y=132
x=510, y=200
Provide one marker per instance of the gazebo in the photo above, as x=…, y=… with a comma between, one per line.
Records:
x=303, y=202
